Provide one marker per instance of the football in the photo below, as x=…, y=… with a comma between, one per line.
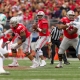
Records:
x=34, y=26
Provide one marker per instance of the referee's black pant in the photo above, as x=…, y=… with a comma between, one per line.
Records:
x=57, y=43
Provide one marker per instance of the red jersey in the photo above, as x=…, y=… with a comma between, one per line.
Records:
x=5, y=38
x=65, y=20
x=20, y=28
x=43, y=24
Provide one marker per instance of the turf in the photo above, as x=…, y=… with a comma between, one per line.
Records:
x=49, y=72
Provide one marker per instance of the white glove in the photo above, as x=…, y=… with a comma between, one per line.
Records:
x=14, y=45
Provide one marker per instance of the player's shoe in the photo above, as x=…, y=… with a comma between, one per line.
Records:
x=13, y=64
x=3, y=72
x=43, y=63
x=58, y=66
x=67, y=63
x=34, y=65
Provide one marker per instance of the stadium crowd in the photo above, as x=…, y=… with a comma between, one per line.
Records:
x=51, y=8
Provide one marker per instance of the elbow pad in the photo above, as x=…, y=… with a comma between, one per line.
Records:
x=13, y=34
x=23, y=38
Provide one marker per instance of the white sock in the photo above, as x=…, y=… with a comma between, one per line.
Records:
x=60, y=62
x=33, y=60
x=14, y=59
x=37, y=58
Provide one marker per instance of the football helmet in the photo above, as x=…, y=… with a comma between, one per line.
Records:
x=70, y=14
x=14, y=21
x=3, y=19
x=40, y=15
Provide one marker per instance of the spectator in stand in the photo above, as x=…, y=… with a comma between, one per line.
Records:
x=77, y=10
x=58, y=12
x=72, y=5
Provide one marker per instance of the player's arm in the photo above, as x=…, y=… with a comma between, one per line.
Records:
x=8, y=31
x=12, y=35
x=3, y=34
x=73, y=31
x=43, y=29
x=23, y=37
x=61, y=25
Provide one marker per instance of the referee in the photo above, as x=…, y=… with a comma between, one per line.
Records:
x=55, y=40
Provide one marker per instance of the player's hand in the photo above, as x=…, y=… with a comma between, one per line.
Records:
x=7, y=42
x=34, y=26
x=14, y=45
x=69, y=31
x=68, y=24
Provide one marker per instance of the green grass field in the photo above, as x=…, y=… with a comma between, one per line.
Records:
x=49, y=72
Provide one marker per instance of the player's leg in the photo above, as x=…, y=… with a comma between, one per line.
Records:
x=26, y=49
x=63, y=46
x=14, y=56
x=14, y=62
x=40, y=43
x=78, y=49
x=63, y=55
x=65, y=59
x=52, y=52
x=33, y=45
x=2, y=57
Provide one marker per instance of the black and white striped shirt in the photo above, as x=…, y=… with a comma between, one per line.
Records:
x=56, y=33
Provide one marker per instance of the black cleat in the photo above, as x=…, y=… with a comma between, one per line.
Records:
x=67, y=63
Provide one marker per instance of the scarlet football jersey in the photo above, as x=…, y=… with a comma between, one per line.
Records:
x=65, y=20
x=20, y=29
x=43, y=24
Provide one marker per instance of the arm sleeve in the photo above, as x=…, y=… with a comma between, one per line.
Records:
x=10, y=30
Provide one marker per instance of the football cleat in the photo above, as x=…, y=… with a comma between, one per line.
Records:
x=3, y=72
x=67, y=63
x=35, y=65
x=59, y=66
x=13, y=64
x=43, y=63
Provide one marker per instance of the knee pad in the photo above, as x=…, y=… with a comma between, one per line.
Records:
x=14, y=50
x=61, y=51
x=39, y=52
